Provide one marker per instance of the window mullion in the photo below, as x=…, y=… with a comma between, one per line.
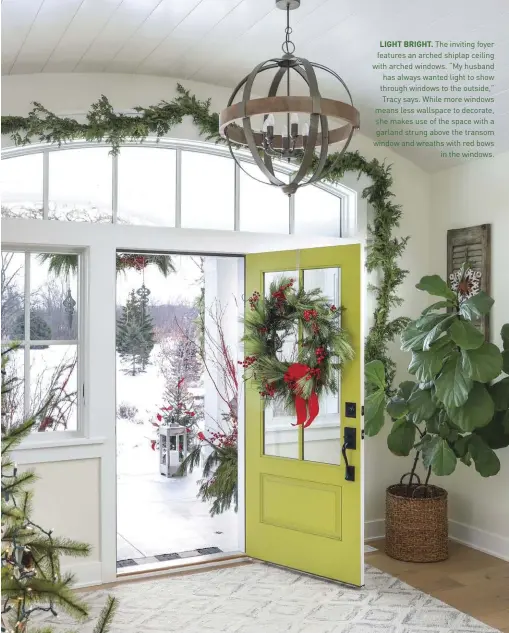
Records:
x=114, y=189
x=45, y=185
x=178, y=189
x=292, y=214
x=236, y=217
x=26, y=336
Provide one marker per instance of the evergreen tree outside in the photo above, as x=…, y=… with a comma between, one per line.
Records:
x=39, y=329
x=32, y=582
x=135, y=332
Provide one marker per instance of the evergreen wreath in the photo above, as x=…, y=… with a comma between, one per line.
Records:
x=324, y=347
x=104, y=124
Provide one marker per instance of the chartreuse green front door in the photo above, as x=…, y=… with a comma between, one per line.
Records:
x=303, y=506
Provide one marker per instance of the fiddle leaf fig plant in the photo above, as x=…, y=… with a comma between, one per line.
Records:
x=457, y=408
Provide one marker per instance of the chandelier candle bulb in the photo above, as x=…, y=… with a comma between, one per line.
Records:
x=294, y=123
x=286, y=140
x=268, y=124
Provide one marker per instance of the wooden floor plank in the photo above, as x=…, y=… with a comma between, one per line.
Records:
x=471, y=581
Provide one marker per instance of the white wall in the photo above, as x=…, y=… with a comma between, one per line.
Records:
x=72, y=94
x=477, y=193
x=69, y=510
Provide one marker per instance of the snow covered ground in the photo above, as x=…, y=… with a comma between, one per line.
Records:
x=156, y=515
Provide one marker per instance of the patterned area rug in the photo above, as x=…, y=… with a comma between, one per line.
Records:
x=259, y=598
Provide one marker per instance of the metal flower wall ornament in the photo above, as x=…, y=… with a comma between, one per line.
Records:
x=466, y=282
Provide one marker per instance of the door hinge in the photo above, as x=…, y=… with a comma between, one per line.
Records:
x=362, y=434
x=362, y=410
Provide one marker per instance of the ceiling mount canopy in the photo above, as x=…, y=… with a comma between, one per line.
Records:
x=271, y=127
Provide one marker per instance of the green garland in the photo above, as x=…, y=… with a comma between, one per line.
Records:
x=323, y=350
x=103, y=124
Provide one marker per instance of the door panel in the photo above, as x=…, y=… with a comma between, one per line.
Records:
x=300, y=510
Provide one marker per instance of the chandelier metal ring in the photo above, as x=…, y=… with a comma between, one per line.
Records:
x=308, y=148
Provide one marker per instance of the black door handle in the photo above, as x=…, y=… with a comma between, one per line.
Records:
x=350, y=442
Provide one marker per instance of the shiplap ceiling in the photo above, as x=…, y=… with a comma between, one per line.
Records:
x=219, y=41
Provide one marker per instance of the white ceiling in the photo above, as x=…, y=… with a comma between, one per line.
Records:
x=220, y=41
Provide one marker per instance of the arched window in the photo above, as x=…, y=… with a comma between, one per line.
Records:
x=165, y=184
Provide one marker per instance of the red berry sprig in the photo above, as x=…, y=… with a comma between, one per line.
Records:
x=280, y=293
x=313, y=373
x=333, y=308
x=310, y=314
x=247, y=362
x=268, y=390
x=253, y=299
x=320, y=354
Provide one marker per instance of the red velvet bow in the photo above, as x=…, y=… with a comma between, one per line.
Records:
x=306, y=410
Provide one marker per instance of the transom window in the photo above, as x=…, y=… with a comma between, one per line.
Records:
x=41, y=338
x=165, y=184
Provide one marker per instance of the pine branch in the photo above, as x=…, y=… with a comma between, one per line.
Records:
x=106, y=617
x=104, y=124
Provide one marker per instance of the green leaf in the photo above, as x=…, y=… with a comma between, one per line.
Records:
x=443, y=431
x=453, y=385
x=421, y=404
x=461, y=445
x=477, y=410
x=428, y=321
x=477, y=306
x=412, y=338
x=401, y=439
x=505, y=361
x=504, y=333
x=436, y=286
x=428, y=446
x=486, y=462
x=444, y=460
x=426, y=365
x=374, y=373
x=438, y=306
x=466, y=335
x=482, y=364
x=405, y=389
x=374, y=409
x=437, y=331
x=397, y=408
x=496, y=433
x=432, y=425
x=499, y=391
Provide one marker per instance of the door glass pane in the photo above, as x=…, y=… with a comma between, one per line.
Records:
x=54, y=369
x=21, y=186
x=263, y=208
x=281, y=438
x=80, y=185
x=13, y=296
x=317, y=212
x=146, y=186
x=53, y=297
x=207, y=191
x=322, y=439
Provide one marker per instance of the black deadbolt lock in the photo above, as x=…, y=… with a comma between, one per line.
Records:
x=350, y=410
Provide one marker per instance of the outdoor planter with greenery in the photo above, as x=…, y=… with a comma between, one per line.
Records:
x=457, y=409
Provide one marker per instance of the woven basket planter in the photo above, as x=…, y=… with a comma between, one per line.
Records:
x=416, y=528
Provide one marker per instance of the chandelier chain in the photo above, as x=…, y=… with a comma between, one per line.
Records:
x=288, y=44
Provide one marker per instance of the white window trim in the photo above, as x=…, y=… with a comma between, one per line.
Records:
x=53, y=438
x=344, y=210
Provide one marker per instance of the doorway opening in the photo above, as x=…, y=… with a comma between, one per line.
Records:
x=178, y=388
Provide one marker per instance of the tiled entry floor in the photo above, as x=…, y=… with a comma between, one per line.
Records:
x=156, y=515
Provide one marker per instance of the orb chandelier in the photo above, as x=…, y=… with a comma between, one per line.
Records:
x=253, y=122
